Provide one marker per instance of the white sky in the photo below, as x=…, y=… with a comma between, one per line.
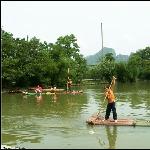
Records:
x=126, y=24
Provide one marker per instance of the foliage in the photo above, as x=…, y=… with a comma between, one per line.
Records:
x=105, y=69
x=139, y=64
x=137, y=67
x=121, y=71
x=31, y=62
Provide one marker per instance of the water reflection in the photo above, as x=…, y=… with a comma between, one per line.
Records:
x=54, y=97
x=101, y=142
x=17, y=138
x=106, y=135
x=25, y=96
x=111, y=132
x=39, y=99
x=62, y=117
x=19, y=129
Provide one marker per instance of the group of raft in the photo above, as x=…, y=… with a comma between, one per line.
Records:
x=51, y=91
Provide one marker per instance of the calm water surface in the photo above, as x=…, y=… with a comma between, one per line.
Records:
x=60, y=122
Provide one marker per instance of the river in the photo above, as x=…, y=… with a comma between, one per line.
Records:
x=59, y=122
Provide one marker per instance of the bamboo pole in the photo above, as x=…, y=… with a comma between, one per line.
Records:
x=102, y=38
x=67, y=79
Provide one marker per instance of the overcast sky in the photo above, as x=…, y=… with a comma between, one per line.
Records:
x=126, y=24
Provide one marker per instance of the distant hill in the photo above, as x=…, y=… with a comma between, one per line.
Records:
x=121, y=57
x=94, y=59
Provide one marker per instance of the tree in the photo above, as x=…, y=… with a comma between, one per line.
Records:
x=106, y=68
x=30, y=62
x=109, y=57
x=139, y=64
x=121, y=71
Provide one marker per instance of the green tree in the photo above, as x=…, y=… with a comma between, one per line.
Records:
x=106, y=68
x=144, y=54
x=65, y=52
x=121, y=71
x=30, y=62
x=139, y=65
x=109, y=57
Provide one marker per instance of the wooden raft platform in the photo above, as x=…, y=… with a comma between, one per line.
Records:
x=96, y=120
x=53, y=90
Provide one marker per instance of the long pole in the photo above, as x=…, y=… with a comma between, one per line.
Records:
x=104, y=100
x=68, y=73
x=67, y=79
x=102, y=38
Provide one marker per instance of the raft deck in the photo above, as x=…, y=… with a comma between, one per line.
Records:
x=53, y=90
x=98, y=120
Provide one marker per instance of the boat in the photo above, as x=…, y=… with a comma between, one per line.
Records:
x=48, y=89
x=15, y=91
x=65, y=92
x=73, y=92
x=99, y=120
x=53, y=90
x=28, y=93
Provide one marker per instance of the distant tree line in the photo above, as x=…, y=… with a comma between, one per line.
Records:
x=137, y=67
x=30, y=62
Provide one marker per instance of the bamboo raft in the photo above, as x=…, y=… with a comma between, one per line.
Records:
x=52, y=93
x=48, y=89
x=96, y=120
x=28, y=93
x=53, y=90
x=15, y=91
x=66, y=92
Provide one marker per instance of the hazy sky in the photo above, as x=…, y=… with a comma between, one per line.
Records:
x=126, y=24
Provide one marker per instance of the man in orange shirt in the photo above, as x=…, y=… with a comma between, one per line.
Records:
x=111, y=101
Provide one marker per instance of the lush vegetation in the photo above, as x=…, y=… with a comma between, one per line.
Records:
x=137, y=67
x=30, y=62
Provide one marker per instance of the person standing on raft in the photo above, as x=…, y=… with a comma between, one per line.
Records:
x=109, y=95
